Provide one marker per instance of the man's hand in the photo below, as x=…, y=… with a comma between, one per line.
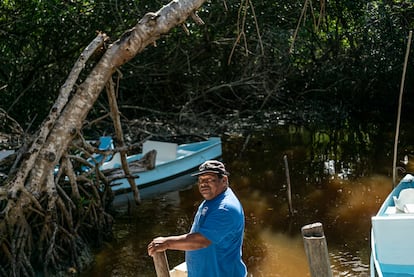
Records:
x=157, y=245
x=184, y=242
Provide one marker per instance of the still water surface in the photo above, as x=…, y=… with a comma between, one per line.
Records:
x=339, y=185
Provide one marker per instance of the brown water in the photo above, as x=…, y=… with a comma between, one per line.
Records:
x=342, y=201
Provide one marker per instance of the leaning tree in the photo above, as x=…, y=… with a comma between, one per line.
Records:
x=47, y=210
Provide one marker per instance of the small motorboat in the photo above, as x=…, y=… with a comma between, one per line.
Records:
x=392, y=243
x=173, y=165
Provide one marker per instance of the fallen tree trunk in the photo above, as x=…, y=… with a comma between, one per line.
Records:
x=44, y=221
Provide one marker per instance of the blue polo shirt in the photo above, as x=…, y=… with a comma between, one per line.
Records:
x=220, y=220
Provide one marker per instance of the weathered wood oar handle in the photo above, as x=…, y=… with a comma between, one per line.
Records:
x=316, y=250
x=161, y=264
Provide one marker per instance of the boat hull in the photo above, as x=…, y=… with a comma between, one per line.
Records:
x=392, y=245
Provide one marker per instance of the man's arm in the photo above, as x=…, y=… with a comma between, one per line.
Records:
x=182, y=242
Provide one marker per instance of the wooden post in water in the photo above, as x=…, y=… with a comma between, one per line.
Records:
x=289, y=190
x=161, y=264
x=316, y=250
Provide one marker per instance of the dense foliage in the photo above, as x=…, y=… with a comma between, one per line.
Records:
x=314, y=61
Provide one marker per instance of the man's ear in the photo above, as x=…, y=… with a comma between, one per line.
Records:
x=226, y=179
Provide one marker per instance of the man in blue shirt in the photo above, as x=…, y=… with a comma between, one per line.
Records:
x=214, y=244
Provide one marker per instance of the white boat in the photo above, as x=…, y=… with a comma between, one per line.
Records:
x=392, y=234
x=174, y=165
x=179, y=270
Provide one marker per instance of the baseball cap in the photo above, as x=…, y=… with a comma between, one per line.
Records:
x=211, y=166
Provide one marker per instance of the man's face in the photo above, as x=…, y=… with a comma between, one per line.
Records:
x=210, y=185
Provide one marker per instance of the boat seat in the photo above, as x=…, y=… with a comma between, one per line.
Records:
x=405, y=201
x=166, y=151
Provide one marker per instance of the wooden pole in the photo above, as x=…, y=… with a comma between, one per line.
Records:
x=397, y=129
x=289, y=190
x=161, y=264
x=316, y=250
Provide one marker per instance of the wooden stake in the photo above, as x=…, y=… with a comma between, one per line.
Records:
x=161, y=264
x=289, y=191
x=316, y=250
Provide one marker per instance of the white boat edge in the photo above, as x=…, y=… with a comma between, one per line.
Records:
x=402, y=264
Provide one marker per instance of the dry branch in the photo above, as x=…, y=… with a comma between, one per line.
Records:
x=120, y=138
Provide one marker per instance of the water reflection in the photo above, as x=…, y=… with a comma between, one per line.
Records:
x=273, y=243
x=282, y=255
x=349, y=264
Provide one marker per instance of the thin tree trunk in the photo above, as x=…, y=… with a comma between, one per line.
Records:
x=120, y=139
